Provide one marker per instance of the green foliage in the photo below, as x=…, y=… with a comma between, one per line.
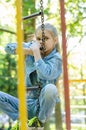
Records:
x=29, y=24
x=8, y=78
x=8, y=74
x=75, y=12
x=75, y=25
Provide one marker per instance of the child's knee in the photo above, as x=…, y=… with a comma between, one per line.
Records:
x=51, y=90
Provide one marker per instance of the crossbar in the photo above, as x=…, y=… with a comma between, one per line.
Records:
x=32, y=15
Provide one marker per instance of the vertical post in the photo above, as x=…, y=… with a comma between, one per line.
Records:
x=21, y=84
x=65, y=71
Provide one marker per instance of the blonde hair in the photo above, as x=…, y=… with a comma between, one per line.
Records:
x=52, y=30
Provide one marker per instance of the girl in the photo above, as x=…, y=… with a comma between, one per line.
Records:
x=42, y=69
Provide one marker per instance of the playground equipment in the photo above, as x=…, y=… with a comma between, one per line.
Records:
x=22, y=108
x=65, y=72
x=22, y=94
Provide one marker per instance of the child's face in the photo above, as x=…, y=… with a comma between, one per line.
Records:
x=50, y=41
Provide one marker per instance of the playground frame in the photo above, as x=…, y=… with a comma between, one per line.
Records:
x=22, y=104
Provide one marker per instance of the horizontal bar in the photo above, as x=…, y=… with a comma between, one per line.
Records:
x=79, y=97
x=32, y=16
x=78, y=80
x=78, y=106
x=78, y=125
x=78, y=115
x=8, y=31
x=32, y=88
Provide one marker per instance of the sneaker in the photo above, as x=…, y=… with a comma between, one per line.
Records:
x=34, y=122
x=16, y=126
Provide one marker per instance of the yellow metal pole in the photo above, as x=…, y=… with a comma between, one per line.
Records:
x=21, y=84
x=77, y=80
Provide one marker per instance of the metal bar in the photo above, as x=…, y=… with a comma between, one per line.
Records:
x=65, y=70
x=31, y=88
x=79, y=107
x=77, y=80
x=32, y=16
x=8, y=31
x=21, y=85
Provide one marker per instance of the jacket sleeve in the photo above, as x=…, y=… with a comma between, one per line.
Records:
x=11, y=47
x=50, y=69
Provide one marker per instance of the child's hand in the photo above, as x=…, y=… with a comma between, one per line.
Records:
x=35, y=46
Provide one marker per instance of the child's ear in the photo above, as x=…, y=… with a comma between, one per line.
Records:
x=56, y=40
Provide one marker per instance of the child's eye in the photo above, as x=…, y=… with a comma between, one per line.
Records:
x=46, y=38
x=38, y=39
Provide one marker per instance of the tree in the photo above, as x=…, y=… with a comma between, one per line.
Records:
x=29, y=24
x=8, y=78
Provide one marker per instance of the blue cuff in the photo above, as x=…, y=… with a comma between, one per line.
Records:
x=10, y=48
x=39, y=62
